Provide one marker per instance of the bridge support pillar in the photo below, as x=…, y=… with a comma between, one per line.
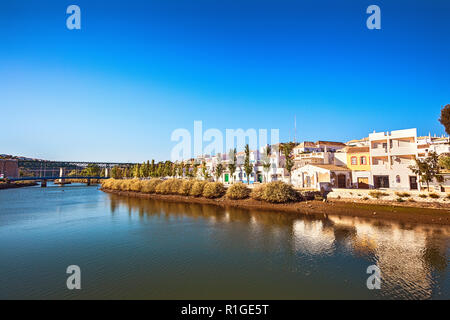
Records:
x=43, y=183
x=88, y=183
x=106, y=172
x=61, y=174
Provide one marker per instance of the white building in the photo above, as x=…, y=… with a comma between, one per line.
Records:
x=322, y=177
x=391, y=154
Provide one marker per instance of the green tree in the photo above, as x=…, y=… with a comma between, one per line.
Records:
x=116, y=172
x=142, y=170
x=160, y=170
x=266, y=160
x=289, y=163
x=248, y=167
x=205, y=172
x=137, y=171
x=92, y=170
x=195, y=170
x=168, y=168
x=232, y=164
x=153, y=169
x=444, y=162
x=219, y=170
x=445, y=118
x=427, y=169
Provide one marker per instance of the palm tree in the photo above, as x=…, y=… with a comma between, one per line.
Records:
x=248, y=167
x=287, y=150
x=232, y=164
x=266, y=161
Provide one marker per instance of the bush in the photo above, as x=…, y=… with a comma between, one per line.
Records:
x=213, y=190
x=186, y=187
x=400, y=199
x=279, y=192
x=257, y=192
x=366, y=198
x=197, y=188
x=135, y=185
x=403, y=194
x=125, y=185
x=108, y=183
x=423, y=196
x=378, y=194
x=310, y=194
x=150, y=186
x=175, y=185
x=238, y=191
x=434, y=195
x=164, y=187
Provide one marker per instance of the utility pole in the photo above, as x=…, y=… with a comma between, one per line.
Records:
x=295, y=127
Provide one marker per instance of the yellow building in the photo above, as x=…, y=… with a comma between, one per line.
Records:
x=358, y=160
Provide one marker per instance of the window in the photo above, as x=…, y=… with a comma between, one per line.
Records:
x=363, y=160
x=397, y=179
x=354, y=161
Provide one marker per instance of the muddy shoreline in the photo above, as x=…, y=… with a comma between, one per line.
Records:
x=14, y=185
x=407, y=214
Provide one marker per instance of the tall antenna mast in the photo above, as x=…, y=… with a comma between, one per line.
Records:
x=295, y=127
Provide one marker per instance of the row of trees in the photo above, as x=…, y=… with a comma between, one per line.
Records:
x=169, y=169
x=248, y=166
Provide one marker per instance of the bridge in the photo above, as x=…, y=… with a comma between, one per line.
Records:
x=42, y=170
x=43, y=180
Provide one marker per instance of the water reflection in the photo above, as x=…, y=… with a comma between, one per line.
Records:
x=413, y=258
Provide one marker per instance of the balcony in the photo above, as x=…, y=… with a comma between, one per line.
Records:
x=398, y=151
x=379, y=152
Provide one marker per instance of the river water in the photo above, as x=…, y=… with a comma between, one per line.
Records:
x=130, y=248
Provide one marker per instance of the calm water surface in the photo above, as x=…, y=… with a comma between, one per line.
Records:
x=136, y=248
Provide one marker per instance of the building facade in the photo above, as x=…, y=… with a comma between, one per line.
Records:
x=391, y=155
x=9, y=168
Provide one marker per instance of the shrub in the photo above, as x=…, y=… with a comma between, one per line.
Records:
x=279, y=192
x=366, y=198
x=257, y=192
x=175, y=185
x=150, y=186
x=310, y=194
x=423, y=196
x=186, y=187
x=125, y=185
x=400, y=199
x=213, y=190
x=434, y=195
x=378, y=194
x=108, y=183
x=197, y=188
x=403, y=194
x=411, y=200
x=164, y=187
x=135, y=185
x=238, y=191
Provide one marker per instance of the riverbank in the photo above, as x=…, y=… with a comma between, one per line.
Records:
x=17, y=184
x=396, y=212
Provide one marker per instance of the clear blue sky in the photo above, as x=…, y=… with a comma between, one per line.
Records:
x=137, y=70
